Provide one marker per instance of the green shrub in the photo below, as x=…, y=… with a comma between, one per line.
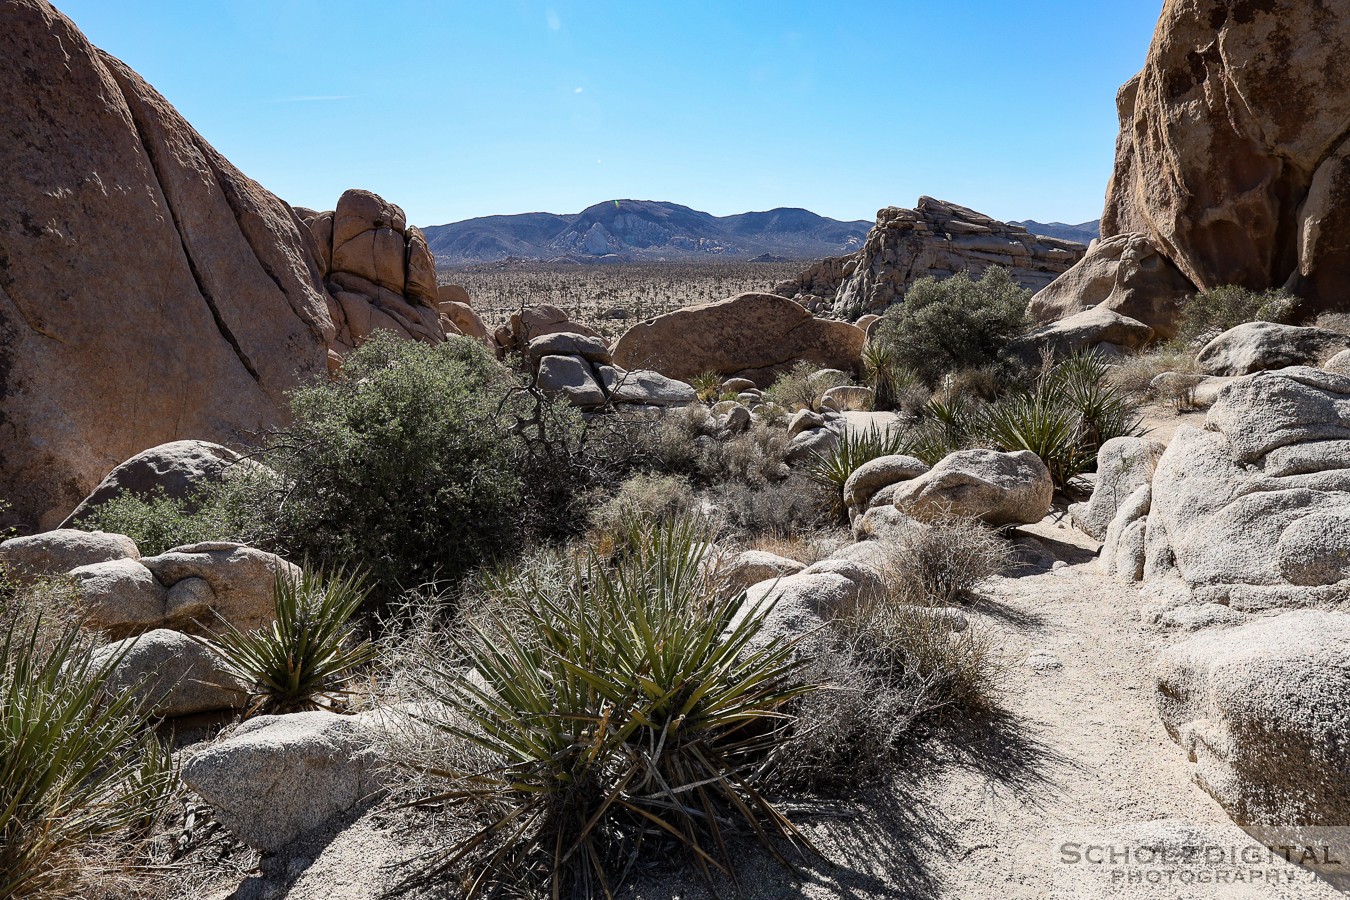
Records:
x=304, y=659
x=158, y=523
x=956, y=323
x=620, y=711
x=1208, y=314
x=77, y=764
x=802, y=386
x=1134, y=375
x=833, y=468
x=1065, y=419
x=707, y=385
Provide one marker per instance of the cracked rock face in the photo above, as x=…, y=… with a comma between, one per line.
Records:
x=937, y=239
x=149, y=291
x=1234, y=146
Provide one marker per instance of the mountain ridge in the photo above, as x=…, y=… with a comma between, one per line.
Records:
x=644, y=230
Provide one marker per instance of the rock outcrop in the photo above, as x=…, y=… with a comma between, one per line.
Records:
x=580, y=368
x=1258, y=346
x=752, y=336
x=1124, y=274
x=174, y=470
x=1254, y=511
x=378, y=270
x=149, y=291
x=937, y=239
x=1234, y=148
x=997, y=488
x=1259, y=710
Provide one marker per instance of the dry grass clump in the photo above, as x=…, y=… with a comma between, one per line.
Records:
x=943, y=563
x=1134, y=375
x=620, y=712
x=1338, y=322
x=803, y=386
x=83, y=782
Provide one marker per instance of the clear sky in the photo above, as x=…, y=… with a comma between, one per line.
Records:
x=461, y=108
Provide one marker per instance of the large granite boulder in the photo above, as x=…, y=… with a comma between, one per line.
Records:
x=1252, y=511
x=1260, y=711
x=275, y=778
x=1082, y=331
x=1234, y=151
x=149, y=290
x=57, y=552
x=172, y=674
x=1257, y=346
x=935, y=238
x=533, y=322
x=175, y=470
x=752, y=336
x=876, y=474
x=1124, y=274
x=997, y=488
x=1124, y=464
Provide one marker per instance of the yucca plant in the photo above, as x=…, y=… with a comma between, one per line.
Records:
x=77, y=763
x=885, y=375
x=1080, y=381
x=707, y=385
x=833, y=468
x=1038, y=423
x=623, y=707
x=308, y=654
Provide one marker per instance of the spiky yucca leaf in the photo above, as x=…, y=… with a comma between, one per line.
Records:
x=625, y=706
x=73, y=764
x=310, y=651
x=833, y=468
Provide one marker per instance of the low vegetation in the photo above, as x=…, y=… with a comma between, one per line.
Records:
x=624, y=706
x=1208, y=314
x=955, y=323
x=80, y=773
x=304, y=659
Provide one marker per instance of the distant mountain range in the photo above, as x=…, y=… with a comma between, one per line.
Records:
x=637, y=230
x=1085, y=233
x=648, y=230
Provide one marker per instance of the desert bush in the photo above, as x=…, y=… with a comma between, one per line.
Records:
x=1134, y=375
x=78, y=766
x=158, y=523
x=789, y=508
x=757, y=456
x=1208, y=314
x=708, y=385
x=1338, y=322
x=1064, y=419
x=802, y=386
x=624, y=711
x=304, y=659
x=833, y=468
x=944, y=426
x=956, y=323
x=942, y=564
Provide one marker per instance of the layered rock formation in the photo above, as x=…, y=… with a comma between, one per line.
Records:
x=937, y=239
x=148, y=289
x=1234, y=147
x=378, y=271
x=752, y=336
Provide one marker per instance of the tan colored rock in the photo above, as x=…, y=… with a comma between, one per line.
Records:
x=1234, y=150
x=997, y=488
x=752, y=336
x=1124, y=274
x=535, y=321
x=150, y=290
x=57, y=552
x=935, y=238
x=1083, y=331
x=465, y=320
x=453, y=293
x=420, y=284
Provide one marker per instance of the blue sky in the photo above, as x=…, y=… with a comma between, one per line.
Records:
x=455, y=109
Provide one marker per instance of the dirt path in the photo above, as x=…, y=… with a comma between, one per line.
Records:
x=1080, y=760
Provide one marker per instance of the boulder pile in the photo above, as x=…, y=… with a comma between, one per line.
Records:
x=937, y=239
